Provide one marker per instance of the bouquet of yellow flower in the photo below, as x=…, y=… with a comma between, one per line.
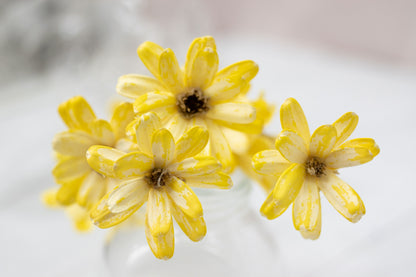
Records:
x=191, y=127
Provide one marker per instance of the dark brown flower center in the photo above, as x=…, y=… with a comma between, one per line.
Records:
x=315, y=167
x=192, y=102
x=158, y=177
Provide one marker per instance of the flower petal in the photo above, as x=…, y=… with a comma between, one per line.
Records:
x=162, y=245
x=93, y=187
x=203, y=68
x=177, y=125
x=149, y=52
x=322, y=141
x=103, y=132
x=368, y=143
x=191, y=143
x=123, y=114
x=219, y=146
x=289, y=184
x=72, y=143
x=293, y=118
x=216, y=180
x=170, y=72
x=349, y=156
x=67, y=193
x=345, y=125
x=231, y=81
x=147, y=124
x=199, y=165
x=104, y=218
x=129, y=194
x=270, y=162
x=307, y=209
x=342, y=197
x=163, y=147
x=291, y=146
x=153, y=100
x=103, y=158
x=197, y=45
x=80, y=218
x=158, y=213
x=135, y=85
x=194, y=228
x=183, y=197
x=69, y=168
x=233, y=112
x=134, y=164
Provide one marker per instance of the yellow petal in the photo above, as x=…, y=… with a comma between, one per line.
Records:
x=219, y=146
x=307, y=209
x=126, y=145
x=292, y=146
x=49, y=197
x=342, y=197
x=197, y=45
x=284, y=193
x=129, y=194
x=349, y=156
x=67, y=193
x=104, y=218
x=80, y=218
x=368, y=143
x=103, y=132
x=191, y=143
x=153, y=100
x=134, y=85
x=216, y=180
x=322, y=141
x=244, y=70
x=183, y=197
x=240, y=113
x=162, y=245
x=158, y=213
x=170, y=72
x=123, y=114
x=231, y=81
x=293, y=118
x=102, y=159
x=82, y=113
x=194, y=228
x=147, y=124
x=134, y=164
x=203, y=68
x=93, y=187
x=255, y=127
x=177, y=125
x=289, y=184
x=345, y=125
x=70, y=168
x=163, y=148
x=199, y=165
x=270, y=162
x=149, y=52
x=72, y=143
x=64, y=110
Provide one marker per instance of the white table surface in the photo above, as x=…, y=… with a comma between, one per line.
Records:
x=35, y=241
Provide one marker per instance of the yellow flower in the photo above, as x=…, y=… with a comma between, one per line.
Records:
x=79, y=182
x=160, y=174
x=194, y=95
x=308, y=165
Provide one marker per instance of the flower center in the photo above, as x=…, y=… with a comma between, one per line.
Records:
x=315, y=167
x=192, y=102
x=158, y=177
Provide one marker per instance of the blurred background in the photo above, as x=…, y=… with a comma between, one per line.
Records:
x=332, y=56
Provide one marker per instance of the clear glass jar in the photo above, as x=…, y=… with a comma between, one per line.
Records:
x=237, y=242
